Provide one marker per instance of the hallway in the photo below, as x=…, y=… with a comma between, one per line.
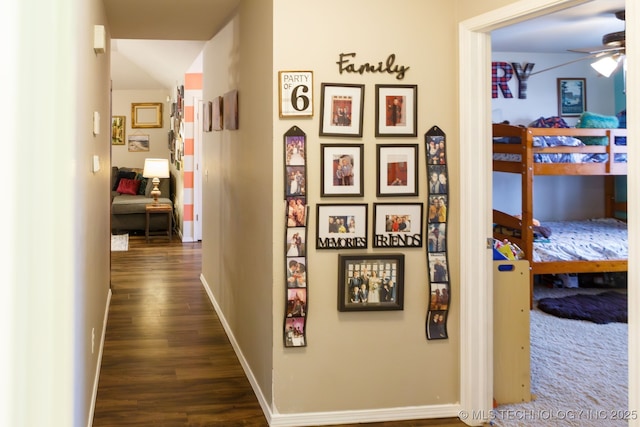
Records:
x=167, y=360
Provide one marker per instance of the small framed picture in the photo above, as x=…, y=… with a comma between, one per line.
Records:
x=296, y=211
x=437, y=237
x=371, y=282
x=207, y=108
x=572, y=96
x=342, y=106
x=296, y=272
x=295, y=181
x=296, y=241
x=396, y=110
x=217, y=114
x=295, y=149
x=138, y=142
x=294, y=332
x=341, y=226
x=397, y=225
x=439, y=296
x=146, y=115
x=295, y=89
x=342, y=170
x=437, y=208
x=397, y=170
x=438, y=269
x=118, y=130
x=230, y=105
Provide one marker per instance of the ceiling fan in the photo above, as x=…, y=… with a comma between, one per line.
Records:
x=611, y=53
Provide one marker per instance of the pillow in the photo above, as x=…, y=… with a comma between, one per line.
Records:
x=549, y=122
x=596, y=121
x=128, y=186
x=143, y=184
x=121, y=175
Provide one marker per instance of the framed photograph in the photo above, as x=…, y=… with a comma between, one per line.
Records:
x=437, y=237
x=295, y=181
x=572, y=96
x=217, y=113
x=396, y=110
x=341, y=226
x=295, y=89
x=342, y=170
x=397, y=170
x=294, y=332
x=296, y=211
x=437, y=208
x=342, y=106
x=296, y=272
x=118, y=130
x=138, y=142
x=146, y=115
x=397, y=225
x=296, y=242
x=230, y=105
x=295, y=150
x=207, y=107
x=370, y=282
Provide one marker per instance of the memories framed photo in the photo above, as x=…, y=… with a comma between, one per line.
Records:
x=341, y=226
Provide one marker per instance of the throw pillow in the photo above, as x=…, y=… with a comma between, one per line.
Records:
x=596, y=121
x=121, y=175
x=143, y=184
x=128, y=186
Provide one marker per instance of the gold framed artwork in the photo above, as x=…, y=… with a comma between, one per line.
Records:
x=118, y=129
x=146, y=115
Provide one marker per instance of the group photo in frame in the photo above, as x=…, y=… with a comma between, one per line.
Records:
x=572, y=96
x=397, y=170
x=396, y=110
x=397, y=225
x=341, y=170
x=341, y=226
x=295, y=90
x=342, y=106
x=370, y=282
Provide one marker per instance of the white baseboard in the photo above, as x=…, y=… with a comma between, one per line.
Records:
x=96, y=380
x=327, y=418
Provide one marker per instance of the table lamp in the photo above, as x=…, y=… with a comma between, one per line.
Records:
x=156, y=169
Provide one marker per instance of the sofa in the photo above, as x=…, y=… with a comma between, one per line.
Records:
x=130, y=193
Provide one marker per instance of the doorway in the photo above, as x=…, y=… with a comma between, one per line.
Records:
x=476, y=195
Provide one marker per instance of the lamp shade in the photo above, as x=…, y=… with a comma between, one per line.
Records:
x=607, y=65
x=156, y=168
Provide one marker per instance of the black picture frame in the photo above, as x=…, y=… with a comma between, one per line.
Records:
x=397, y=170
x=342, y=110
x=397, y=225
x=383, y=292
x=342, y=226
x=572, y=96
x=396, y=110
x=336, y=163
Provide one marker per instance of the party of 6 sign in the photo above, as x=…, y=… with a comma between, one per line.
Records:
x=296, y=93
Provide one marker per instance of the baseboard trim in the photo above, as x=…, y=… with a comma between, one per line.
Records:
x=276, y=419
x=96, y=380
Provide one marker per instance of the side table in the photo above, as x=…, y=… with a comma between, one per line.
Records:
x=160, y=208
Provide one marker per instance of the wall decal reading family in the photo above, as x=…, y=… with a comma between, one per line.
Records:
x=388, y=66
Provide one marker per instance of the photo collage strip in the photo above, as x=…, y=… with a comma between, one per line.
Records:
x=296, y=290
x=437, y=260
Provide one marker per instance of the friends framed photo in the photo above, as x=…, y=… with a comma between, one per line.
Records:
x=371, y=282
x=342, y=106
x=397, y=225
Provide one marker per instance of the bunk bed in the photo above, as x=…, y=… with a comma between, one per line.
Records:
x=526, y=151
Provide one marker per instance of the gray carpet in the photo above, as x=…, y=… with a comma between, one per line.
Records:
x=578, y=372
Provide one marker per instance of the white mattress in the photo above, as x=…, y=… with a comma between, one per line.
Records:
x=588, y=240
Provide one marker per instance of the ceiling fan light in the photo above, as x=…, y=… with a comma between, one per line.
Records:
x=607, y=65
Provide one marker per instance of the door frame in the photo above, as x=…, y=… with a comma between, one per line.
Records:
x=476, y=302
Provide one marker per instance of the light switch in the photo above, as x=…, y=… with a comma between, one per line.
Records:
x=96, y=123
x=99, y=39
x=96, y=163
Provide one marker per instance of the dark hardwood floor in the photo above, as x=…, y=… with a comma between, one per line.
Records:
x=166, y=359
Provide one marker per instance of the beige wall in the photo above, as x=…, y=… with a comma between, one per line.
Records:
x=121, y=106
x=58, y=264
x=238, y=185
